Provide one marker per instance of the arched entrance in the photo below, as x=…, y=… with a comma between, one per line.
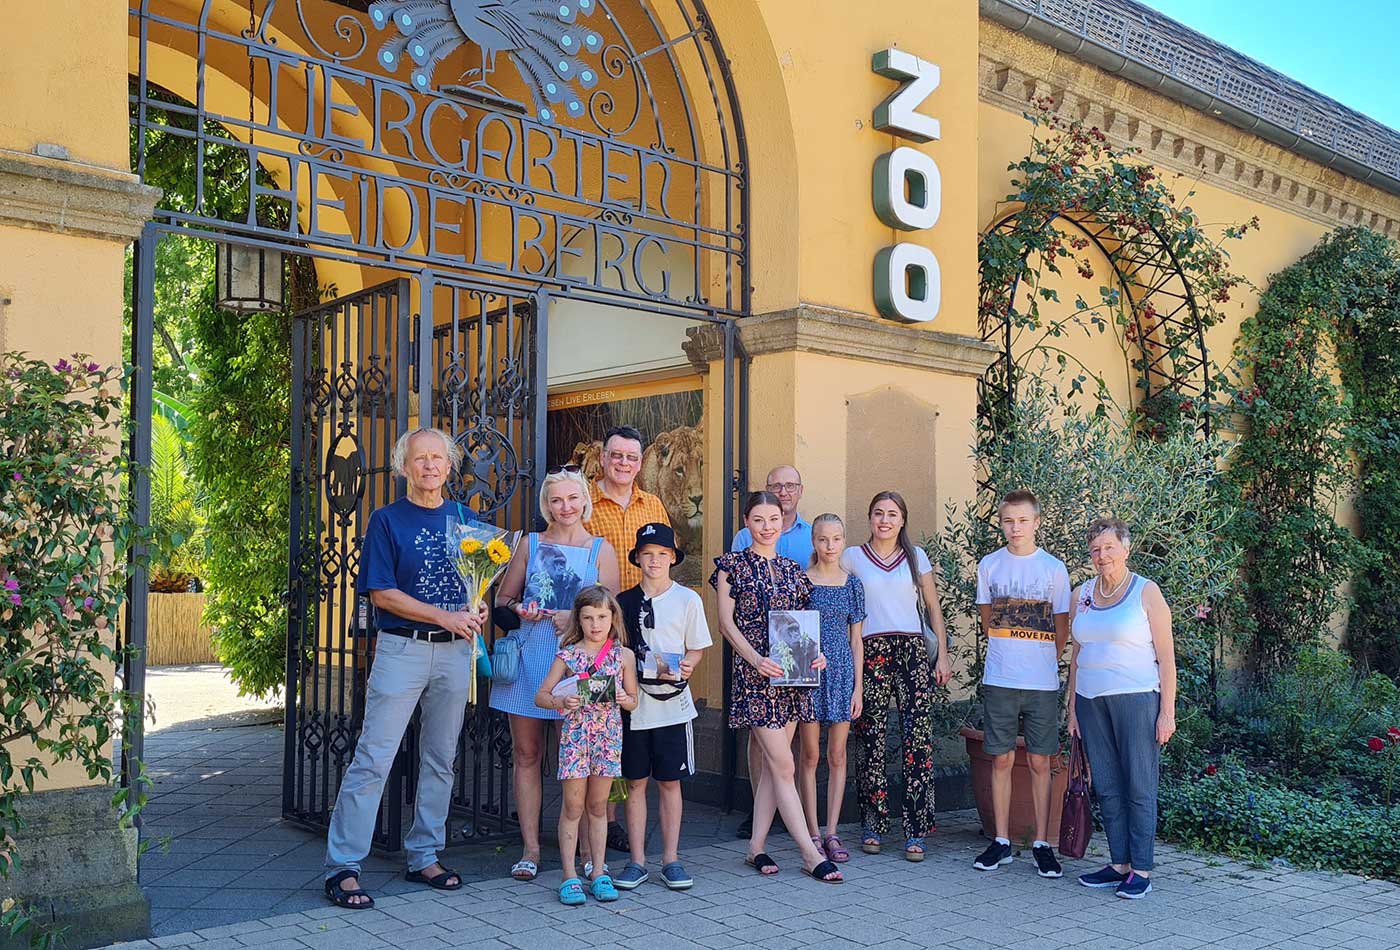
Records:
x=458, y=178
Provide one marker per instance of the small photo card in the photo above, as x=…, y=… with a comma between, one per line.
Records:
x=657, y=665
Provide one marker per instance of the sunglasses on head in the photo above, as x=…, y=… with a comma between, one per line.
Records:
x=571, y=467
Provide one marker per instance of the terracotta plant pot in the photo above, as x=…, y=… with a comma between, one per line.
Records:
x=1022, y=824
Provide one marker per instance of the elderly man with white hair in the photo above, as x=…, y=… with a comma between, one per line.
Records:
x=422, y=657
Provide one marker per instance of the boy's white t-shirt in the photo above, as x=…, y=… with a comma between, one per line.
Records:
x=1025, y=592
x=680, y=626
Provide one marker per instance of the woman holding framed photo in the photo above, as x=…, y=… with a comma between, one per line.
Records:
x=749, y=584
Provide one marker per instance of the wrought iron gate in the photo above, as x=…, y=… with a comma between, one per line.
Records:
x=349, y=403
x=361, y=370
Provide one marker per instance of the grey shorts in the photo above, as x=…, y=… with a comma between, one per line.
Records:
x=1033, y=713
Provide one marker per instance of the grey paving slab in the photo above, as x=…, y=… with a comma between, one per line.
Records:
x=231, y=870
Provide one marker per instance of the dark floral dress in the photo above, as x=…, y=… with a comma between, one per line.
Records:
x=758, y=585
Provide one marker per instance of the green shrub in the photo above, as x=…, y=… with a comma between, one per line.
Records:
x=1239, y=813
x=64, y=538
x=1083, y=466
x=1302, y=718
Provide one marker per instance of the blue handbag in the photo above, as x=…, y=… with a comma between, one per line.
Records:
x=505, y=660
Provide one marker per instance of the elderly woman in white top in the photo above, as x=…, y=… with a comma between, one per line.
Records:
x=1122, y=702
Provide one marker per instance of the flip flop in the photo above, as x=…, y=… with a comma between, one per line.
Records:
x=340, y=897
x=821, y=872
x=437, y=882
x=523, y=870
x=761, y=863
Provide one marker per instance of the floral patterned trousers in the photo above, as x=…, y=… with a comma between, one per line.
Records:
x=897, y=669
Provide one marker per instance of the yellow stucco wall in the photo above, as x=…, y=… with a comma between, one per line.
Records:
x=63, y=79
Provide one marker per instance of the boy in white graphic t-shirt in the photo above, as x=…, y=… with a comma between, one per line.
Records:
x=1023, y=597
x=666, y=629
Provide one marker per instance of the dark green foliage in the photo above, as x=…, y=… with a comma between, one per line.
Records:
x=241, y=455
x=1370, y=360
x=1286, y=771
x=1302, y=717
x=1324, y=395
x=1245, y=815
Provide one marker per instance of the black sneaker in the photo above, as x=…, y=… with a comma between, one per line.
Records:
x=1045, y=863
x=745, y=829
x=994, y=857
x=1135, y=887
x=1103, y=877
x=617, y=837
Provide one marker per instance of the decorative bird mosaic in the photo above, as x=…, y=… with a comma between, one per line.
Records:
x=542, y=37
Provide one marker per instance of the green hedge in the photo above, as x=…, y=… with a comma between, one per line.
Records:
x=1241, y=814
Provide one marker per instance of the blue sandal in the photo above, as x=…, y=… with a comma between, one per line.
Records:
x=869, y=841
x=571, y=893
x=603, y=889
x=909, y=845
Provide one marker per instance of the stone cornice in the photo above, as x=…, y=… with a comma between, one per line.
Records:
x=72, y=198
x=1014, y=69
x=830, y=332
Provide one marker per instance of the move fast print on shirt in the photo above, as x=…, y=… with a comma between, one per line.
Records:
x=1022, y=610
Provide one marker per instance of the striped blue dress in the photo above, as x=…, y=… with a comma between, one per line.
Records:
x=554, y=575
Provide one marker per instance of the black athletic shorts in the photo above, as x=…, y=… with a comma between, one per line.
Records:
x=662, y=753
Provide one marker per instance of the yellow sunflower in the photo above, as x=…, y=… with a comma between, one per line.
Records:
x=498, y=551
x=470, y=545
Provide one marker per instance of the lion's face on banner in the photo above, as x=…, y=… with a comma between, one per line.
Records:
x=673, y=470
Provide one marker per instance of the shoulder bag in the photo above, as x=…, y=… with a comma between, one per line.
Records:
x=1076, y=821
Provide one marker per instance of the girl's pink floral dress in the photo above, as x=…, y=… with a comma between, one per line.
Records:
x=590, y=737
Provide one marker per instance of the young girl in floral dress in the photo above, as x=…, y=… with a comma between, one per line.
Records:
x=590, y=738
x=840, y=599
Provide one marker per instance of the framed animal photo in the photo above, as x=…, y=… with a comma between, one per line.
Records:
x=795, y=642
x=670, y=414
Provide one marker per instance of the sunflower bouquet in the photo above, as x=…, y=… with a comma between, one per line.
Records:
x=478, y=553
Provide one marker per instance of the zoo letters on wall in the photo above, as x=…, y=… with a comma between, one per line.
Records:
x=669, y=414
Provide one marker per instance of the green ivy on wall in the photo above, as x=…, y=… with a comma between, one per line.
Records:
x=1321, y=408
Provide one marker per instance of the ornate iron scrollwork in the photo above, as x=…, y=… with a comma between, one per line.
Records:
x=490, y=470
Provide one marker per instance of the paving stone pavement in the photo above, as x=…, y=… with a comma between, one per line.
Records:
x=234, y=875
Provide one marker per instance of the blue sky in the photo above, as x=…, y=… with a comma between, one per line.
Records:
x=1346, y=49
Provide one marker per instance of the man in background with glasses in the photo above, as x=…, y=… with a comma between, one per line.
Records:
x=795, y=542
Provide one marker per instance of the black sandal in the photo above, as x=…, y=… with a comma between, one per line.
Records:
x=821, y=871
x=436, y=881
x=340, y=897
x=761, y=863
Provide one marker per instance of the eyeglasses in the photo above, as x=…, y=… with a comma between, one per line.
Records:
x=790, y=488
x=624, y=457
x=571, y=468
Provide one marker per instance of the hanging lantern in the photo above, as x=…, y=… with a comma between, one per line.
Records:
x=248, y=279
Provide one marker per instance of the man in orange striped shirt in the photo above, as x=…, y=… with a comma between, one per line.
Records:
x=620, y=507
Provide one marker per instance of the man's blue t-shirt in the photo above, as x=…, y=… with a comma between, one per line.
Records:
x=405, y=548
